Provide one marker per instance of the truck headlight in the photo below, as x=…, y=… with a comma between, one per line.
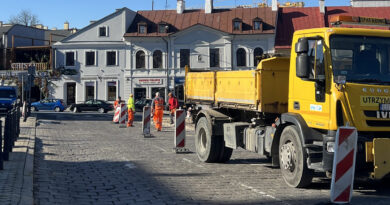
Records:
x=330, y=146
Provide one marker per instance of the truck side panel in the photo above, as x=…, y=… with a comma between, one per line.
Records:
x=200, y=86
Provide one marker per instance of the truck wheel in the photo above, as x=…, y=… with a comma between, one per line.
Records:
x=208, y=147
x=292, y=159
x=226, y=153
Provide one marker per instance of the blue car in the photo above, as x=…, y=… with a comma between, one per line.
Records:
x=8, y=96
x=48, y=104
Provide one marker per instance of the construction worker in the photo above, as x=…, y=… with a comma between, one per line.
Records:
x=173, y=105
x=158, y=111
x=130, y=111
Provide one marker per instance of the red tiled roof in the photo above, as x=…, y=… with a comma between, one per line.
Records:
x=293, y=19
x=220, y=19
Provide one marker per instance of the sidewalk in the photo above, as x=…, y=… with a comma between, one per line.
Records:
x=16, y=180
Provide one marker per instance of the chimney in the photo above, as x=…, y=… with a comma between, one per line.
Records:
x=274, y=5
x=180, y=6
x=322, y=6
x=66, y=25
x=208, y=9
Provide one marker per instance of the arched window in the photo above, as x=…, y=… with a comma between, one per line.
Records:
x=241, y=57
x=157, y=59
x=140, y=59
x=257, y=56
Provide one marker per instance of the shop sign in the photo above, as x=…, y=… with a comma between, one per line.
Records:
x=150, y=81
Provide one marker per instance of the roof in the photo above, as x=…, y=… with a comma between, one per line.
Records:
x=293, y=19
x=220, y=19
x=57, y=35
x=5, y=29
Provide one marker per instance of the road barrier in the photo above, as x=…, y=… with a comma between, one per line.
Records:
x=9, y=134
x=146, y=121
x=180, y=132
x=117, y=113
x=343, y=165
x=123, y=115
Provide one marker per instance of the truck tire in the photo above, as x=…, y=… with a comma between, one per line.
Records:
x=226, y=152
x=208, y=146
x=292, y=159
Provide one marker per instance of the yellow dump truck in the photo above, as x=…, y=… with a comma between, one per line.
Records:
x=289, y=109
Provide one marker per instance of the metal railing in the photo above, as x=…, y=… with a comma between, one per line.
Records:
x=9, y=134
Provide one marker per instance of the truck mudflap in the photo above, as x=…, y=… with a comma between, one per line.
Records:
x=377, y=152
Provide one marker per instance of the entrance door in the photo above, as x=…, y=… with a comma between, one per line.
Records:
x=70, y=93
x=139, y=93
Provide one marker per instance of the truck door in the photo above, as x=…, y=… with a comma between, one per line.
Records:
x=308, y=96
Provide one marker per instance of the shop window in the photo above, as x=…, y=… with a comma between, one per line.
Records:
x=184, y=57
x=257, y=56
x=89, y=91
x=214, y=57
x=111, y=58
x=241, y=57
x=69, y=59
x=111, y=91
x=89, y=58
x=157, y=59
x=140, y=59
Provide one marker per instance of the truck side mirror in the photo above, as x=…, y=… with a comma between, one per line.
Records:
x=302, y=46
x=302, y=65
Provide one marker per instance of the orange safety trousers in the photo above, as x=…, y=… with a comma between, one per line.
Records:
x=157, y=118
x=130, y=120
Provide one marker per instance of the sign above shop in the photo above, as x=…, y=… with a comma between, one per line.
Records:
x=150, y=81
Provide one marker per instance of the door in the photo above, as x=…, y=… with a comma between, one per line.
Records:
x=139, y=93
x=70, y=93
x=88, y=106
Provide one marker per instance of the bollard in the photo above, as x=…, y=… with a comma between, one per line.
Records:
x=7, y=143
x=343, y=165
x=146, y=122
x=123, y=115
x=180, y=132
x=1, y=145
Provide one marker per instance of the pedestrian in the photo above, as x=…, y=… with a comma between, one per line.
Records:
x=117, y=102
x=158, y=111
x=173, y=105
x=130, y=111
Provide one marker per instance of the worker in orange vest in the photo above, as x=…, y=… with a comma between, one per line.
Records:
x=158, y=111
x=130, y=111
x=173, y=105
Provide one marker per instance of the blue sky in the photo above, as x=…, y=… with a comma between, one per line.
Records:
x=54, y=13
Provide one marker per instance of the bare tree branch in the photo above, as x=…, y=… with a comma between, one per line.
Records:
x=25, y=17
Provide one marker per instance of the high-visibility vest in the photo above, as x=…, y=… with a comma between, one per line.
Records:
x=159, y=103
x=130, y=104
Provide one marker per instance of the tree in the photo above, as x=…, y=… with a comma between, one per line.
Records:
x=25, y=17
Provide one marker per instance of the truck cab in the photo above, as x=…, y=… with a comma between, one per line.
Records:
x=8, y=96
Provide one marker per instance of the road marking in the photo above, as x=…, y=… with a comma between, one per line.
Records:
x=191, y=162
x=130, y=166
x=262, y=193
x=160, y=148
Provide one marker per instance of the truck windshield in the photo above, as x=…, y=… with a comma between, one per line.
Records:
x=361, y=59
x=7, y=94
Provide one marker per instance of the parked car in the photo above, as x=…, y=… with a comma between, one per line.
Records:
x=49, y=104
x=8, y=96
x=140, y=104
x=92, y=105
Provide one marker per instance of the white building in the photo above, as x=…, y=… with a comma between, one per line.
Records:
x=370, y=3
x=98, y=54
x=162, y=42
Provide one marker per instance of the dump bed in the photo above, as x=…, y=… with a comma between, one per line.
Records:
x=264, y=89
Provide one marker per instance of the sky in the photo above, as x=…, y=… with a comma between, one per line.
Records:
x=53, y=13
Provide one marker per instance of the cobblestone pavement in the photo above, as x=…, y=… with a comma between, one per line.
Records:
x=85, y=159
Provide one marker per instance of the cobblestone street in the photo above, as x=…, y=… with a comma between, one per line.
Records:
x=85, y=159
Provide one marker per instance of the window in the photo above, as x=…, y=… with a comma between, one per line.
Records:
x=69, y=58
x=89, y=90
x=163, y=28
x=241, y=57
x=258, y=24
x=157, y=59
x=89, y=58
x=111, y=57
x=237, y=24
x=184, y=57
x=142, y=28
x=140, y=59
x=316, y=59
x=257, y=56
x=214, y=57
x=103, y=31
x=111, y=91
